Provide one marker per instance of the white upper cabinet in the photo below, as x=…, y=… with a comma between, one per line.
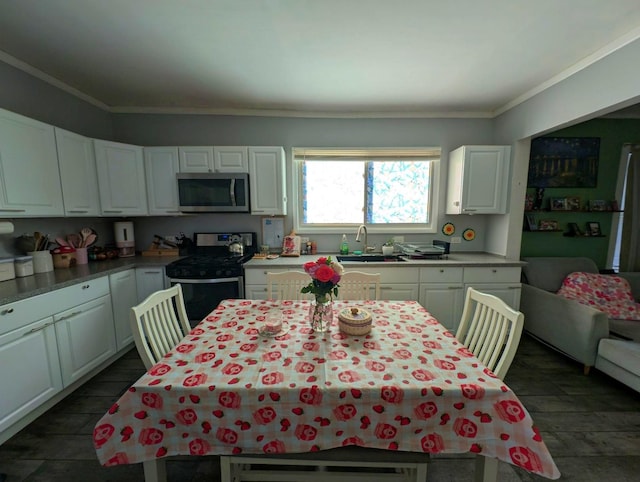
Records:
x=196, y=159
x=230, y=159
x=267, y=181
x=77, y=163
x=29, y=180
x=478, y=180
x=121, y=178
x=161, y=166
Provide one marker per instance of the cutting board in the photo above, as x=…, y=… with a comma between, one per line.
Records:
x=291, y=246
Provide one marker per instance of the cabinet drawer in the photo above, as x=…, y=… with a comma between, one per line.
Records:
x=441, y=275
x=492, y=275
x=258, y=276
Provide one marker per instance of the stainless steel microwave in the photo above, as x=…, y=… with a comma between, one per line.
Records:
x=206, y=192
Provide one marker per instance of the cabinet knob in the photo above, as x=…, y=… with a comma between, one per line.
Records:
x=494, y=270
x=84, y=287
x=441, y=270
x=6, y=312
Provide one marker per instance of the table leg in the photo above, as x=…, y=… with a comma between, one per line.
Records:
x=155, y=470
x=486, y=469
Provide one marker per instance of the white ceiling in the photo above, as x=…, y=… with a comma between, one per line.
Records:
x=311, y=57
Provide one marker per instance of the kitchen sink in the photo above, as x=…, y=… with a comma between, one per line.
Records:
x=369, y=258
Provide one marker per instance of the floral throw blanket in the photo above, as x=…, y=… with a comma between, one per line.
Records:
x=608, y=293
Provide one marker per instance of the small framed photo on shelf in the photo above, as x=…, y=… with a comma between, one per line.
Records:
x=559, y=204
x=574, y=230
x=597, y=205
x=531, y=223
x=593, y=228
x=573, y=203
x=548, y=225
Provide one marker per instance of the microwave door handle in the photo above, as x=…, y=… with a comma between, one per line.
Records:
x=232, y=191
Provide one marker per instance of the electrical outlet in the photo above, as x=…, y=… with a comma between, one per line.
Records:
x=398, y=239
x=456, y=240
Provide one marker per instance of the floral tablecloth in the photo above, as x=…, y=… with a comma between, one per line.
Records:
x=408, y=385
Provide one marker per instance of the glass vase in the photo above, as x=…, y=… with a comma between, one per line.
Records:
x=321, y=315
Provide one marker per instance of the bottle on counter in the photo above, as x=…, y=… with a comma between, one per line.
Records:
x=344, y=245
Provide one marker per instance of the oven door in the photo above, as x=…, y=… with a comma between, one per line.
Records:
x=202, y=296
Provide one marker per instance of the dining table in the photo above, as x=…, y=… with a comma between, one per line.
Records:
x=231, y=387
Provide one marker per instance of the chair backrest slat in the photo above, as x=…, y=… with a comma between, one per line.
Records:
x=287, y=285
x=159, y=323
x=491, y=330
x=358, y=285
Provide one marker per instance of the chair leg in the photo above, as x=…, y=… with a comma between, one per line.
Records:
x=155, y=470
x=486, y=469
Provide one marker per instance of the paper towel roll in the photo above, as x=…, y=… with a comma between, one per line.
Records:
x=6, y=227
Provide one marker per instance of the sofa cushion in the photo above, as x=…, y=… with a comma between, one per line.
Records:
x=622, y=353
x=548, y=273
x=608, y=293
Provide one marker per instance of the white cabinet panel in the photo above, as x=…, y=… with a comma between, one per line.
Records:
x=196, y=159
x=478, y=180
x=267, y=180
x=77, y=162
x=149, y=280
x=121, y=178
x=31, y=371
x=86, y=337
x=29, y=175
x=123, y=297
x=161, y=166
x=507, y=292
x=398, y=291
x=444, y=301
x=230, y=159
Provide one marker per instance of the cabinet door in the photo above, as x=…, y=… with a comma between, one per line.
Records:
x=78, y=173
x=507, y=292
x=230, y=159
x=85, y=337
x=398, y=291
x=30, y=180
x=196, y=159
x=444, y=301
x=31, y=371
x=267, y=181
x=161, y=166
x=121, y=178
x=149, y=280
x=478, y=180
x=123, y=298
x=255, y=292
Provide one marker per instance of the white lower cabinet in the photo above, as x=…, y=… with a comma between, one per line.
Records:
x=149, y=280
x=398, y=291
x=29, y=369
x=85, y=337
x=123, y=296
x=501, y=282
x=442, y=294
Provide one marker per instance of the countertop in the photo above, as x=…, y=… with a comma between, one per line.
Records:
x=469, y=259
x=21, y=288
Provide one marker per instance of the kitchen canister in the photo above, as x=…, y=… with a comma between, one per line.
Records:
x=23, y=266
x=42, y=261
x=63, y=257
x=7, y=270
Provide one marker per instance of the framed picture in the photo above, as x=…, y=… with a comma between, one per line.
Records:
x=574, y=230
x=548, y=225
x=531, y=223
x=573, y=203
x=559, y=204
x=564, y=162
x=598, y=205
x=593, y=228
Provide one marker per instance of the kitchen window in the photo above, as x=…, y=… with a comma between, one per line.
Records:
x=386, y=189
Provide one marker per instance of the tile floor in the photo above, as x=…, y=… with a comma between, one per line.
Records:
x=590, y=424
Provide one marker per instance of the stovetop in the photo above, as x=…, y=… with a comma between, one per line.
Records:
x=211, y=258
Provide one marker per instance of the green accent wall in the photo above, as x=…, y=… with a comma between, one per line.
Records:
x=613, y=133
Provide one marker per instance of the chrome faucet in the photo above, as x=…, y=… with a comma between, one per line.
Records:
x=367, y=248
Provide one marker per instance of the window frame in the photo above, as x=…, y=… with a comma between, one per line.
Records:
x=297, y=195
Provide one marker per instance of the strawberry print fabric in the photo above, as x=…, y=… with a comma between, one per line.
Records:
x=407, y=385
x=607, y=293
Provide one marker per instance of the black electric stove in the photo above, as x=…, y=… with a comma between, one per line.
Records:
x=211, y=273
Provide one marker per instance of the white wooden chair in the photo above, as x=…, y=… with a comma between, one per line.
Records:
x=159, y=323
x=491, y=329
x=356, y=285
x=287, y=285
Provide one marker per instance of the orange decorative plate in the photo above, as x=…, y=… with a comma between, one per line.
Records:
x=448, y=229
x=469, y=234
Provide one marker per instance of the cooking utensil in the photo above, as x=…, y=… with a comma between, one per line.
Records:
x=74, y=240
x=90, y=239
x=236, y=248
x=84, y=232
x=61, y=241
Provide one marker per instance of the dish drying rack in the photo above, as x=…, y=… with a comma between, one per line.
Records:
x=435, y=250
